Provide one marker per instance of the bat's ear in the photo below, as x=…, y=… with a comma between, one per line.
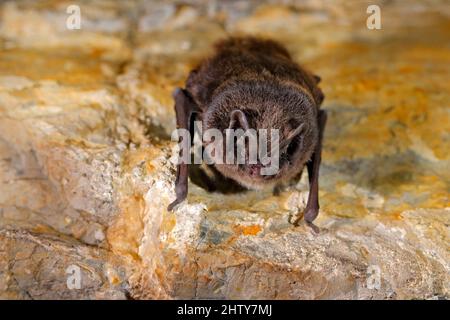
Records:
x=317, y=78
x=238, y=119
x=292, y=134
x=295, y=132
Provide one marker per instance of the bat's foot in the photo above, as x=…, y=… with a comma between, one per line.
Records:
x=296, y=223
x=295, y=220
x=309, y=215
x=313, y=227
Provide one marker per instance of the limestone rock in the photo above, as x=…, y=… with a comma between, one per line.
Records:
x=85, y=172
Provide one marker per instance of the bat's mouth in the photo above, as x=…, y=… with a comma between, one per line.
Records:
x=257, y=171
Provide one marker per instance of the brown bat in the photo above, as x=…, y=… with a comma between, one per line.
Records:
x=253, y=83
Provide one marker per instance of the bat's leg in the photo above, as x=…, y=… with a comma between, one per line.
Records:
x=312, y=206
x=184, y=107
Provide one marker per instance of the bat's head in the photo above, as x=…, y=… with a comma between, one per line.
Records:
x=274, y=130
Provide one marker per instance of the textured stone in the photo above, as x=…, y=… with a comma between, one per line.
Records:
x=86, y=177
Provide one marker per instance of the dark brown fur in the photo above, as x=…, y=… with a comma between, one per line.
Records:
x=259, y=78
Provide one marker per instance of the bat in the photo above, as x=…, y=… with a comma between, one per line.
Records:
x=253, y=83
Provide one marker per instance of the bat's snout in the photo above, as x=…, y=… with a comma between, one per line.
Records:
x=255, y=169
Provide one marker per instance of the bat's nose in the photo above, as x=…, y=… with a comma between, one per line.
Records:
x=255, y=169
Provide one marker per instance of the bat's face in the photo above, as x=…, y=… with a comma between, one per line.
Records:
x=266, y=105
x=266, y=159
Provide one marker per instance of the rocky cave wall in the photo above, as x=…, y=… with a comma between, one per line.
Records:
x=85, y=176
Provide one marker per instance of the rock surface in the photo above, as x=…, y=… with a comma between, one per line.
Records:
x=85, y=175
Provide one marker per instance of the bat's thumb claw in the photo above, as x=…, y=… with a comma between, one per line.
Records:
x=315, y=228
x=172, y=205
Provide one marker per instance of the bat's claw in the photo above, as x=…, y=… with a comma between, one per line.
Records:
x=315, y=228
x=309, y=215
x=296, y=222
x=174, y=204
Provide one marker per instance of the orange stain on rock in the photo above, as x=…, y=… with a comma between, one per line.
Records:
x=251, y=230
x=125, y=232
